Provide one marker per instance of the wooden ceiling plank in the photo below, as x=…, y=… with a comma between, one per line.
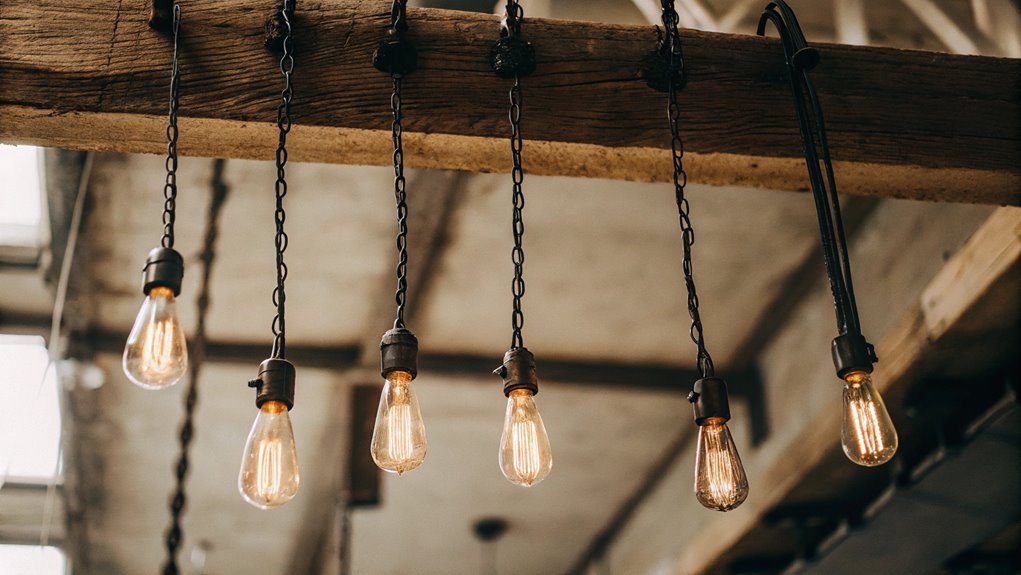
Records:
x=902, y=124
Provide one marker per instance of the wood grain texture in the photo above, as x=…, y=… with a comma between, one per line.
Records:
x=92, y=75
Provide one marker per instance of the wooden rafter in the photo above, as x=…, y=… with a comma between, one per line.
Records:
x=92, y=75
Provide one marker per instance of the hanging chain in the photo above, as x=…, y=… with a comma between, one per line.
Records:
x=174, y=533
x=673, y=45
x=518, y=225
x=170, y=187
x=284, y=124
x=400, y=25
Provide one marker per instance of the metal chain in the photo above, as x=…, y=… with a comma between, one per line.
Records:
x=170, y=187
x=284, y=125
x=402, y=203
x=174, y=534
x=400, y=25
x=518, y=225
x=670, y=21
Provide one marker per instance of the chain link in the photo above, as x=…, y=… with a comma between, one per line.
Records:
x=402, y=204
x=170, y=187
x=518, y=225
x=174, y=534
x=284, y=125
x=673, y=44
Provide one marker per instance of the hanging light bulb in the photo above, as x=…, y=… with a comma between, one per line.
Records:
x=156, y=355
x=269, y=464
x=720, y=481
x=867, y=435
x=398, y=437
x=525, y=455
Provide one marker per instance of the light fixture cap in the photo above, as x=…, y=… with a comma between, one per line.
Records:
x=518, y=371
x=275, y=382
x=399, y=352
x=164, y=267
x=708, y=397
x=852, y=353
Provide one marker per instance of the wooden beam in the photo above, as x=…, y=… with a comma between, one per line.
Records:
x=92, y=75
x=971, y=301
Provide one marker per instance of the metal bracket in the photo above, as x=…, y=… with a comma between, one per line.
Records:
x=656, y=69
x=274, y=40
x=161, y=15
x=395, y=54
x=511, y=56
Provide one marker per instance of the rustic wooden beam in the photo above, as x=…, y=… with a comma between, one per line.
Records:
x=93, y=75
x=971, y=302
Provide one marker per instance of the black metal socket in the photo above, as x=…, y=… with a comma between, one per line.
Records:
x=511, y=56
x=709, y=398
x=275, y=382
x=399, y=352
x=852, y=353
x=518, y=371
x=395, y=54
x=164, y=267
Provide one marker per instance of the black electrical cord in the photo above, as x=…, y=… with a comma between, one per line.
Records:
x=800, y=59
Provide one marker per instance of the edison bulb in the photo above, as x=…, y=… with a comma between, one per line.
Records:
x=525, y=455
x=156, y=356
x=398, y=438
x=867, y=435
x=269, y=464
x=720, y=481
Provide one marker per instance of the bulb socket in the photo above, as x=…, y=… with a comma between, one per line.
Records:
x=709, y=399
x=399, y=352
x=164, y=267
x=852, y=353
x=518, y=371
x=275, y=382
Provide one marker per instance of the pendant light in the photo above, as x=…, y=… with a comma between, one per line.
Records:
x=867, y=433
x=525, y=456
x=398, y=437
x=269, y=465
x=156, y=355
x=720, y=480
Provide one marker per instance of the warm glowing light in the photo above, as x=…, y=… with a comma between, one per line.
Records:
x=156, y=355
x=867, y=435
x=398, y=438
x=525, y=455
x=720, y=481
x=269, y=464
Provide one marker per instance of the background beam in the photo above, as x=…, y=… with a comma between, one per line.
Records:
x=905, y=124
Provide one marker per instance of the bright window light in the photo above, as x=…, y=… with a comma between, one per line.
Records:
x=30, y=432
x=21, y=195
x=32, y=560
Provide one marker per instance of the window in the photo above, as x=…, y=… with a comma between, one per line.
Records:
x=32, y=560
x=21, y=202
x=29, y=432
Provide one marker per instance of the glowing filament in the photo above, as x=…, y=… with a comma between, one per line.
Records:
x=526, y=451
x=270, y=459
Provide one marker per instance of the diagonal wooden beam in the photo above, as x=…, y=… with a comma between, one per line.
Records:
x=92, y=75
x=970, y=303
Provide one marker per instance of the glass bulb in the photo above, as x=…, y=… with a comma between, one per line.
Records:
x=867, y=434
x=156, y=356
x=398, y=438
x=269, y=465
x=720, y=482
x=525, y=455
